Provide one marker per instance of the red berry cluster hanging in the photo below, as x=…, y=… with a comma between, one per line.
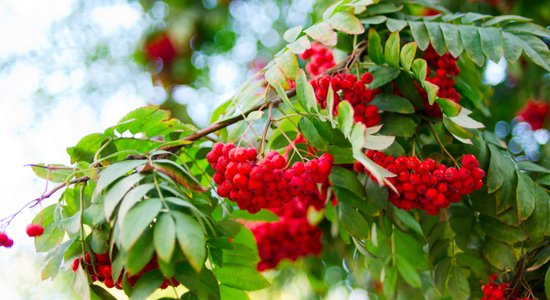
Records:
x=161, y=47
x=503, y=291
x=290, y=238
x=349, y=87
x=34, y=230
x=425, y=184
x=102, y=271
x=321, y=59
x=535, y=113
x=267, y=183
x=5, y=241
x=445, y=69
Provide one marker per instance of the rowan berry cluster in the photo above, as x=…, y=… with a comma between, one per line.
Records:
x=535, y=113
x=445, y=69
x=425, y=184
x=5, y=241
x=266, y=183
x=321, y=59
x=290, y=238
x=349, y=87
x=493, y=291
x=101, y=270
x=34, y=230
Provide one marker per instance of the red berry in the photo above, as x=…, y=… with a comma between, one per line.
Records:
x=34, y=230
x=367, y=77
x=470, y=161
x=451, y=174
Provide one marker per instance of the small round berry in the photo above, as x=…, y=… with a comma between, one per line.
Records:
x=470, y=161
x=451, y=174
x=34, y=230
x=367, y=77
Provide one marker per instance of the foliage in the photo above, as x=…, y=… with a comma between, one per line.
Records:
x=143, y=190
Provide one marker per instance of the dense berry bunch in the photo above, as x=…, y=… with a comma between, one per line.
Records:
x=266, y=183
x=160, y=47
x=445, y=69
x=5, y=241
x=535, y=113
x=425, y=184
x=34, y=230
x=321, y=59
x=493, y=291
x=101, y=271
x=349, y=87
x=289, y=238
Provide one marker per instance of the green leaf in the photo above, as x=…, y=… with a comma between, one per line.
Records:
x=307, y=128
x=391, y=50
x=547, y=283
x=532, y=167
x=53, y=172
x=398, y=125
x=436, y=37
x=131, y=198
x=345, y=117
x=80, y=284
x=353, y=221
x=449, y=107
x=535, y=49
x=393, y=103
x=100, y=240
x=396, y=24
x=458, y=284
x=537, y=226
x=504, y=18
x=540, y=259
x=456, y=130
x=501, y=232
x=241, y=277
x=374, y=20
x=452, y=39
x=472, y=17
x=117, y=192
x=282, y=94
x=203, y=284
x=234, y=294
x=491, y=43
x=463, y=120
x=137, y=220
x=53, y=234
x=512, y=49
x=499, y=254
x=420, y=34
x=300, y=45
x=420, y=69
x=472, y=44
x=524, y=196
x=146, y=285
x=101, y=293
x=275, y=77
x=495, y=176
x=378, y=142
x=115, y=171
x=288, y=64
x=85, y=148
x=141, y=253
x=431, y=90
x=382, y=8
x=341, y=155
x=375, y=47
x=292, y=34
x=407, y=55
x=191, y=239
x=164, y=236
x=346, y=22
x=528, y=28
x=377, y=194
x=262, y=215
x=323, y=33
x=346, y=179
x=408, y=272
x=304, y=92
x=382, y=75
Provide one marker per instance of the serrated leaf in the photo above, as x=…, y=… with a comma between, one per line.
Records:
x=115, y=194
x=535, y=49
x=472, y=44
x=393, y=103
x=203, y=284
x=501, y=232
x=547, y=283
x=537, y=226
x=463, y=120
x=472, y=17
x=431, y=90
x=53, y=234
x=499, y=254
x=345, y=117
x=292, y=34
x=115, y=171
x=419, y=68
x=375, y=47
x=282, y=94
x=275, y=76
x=396, y=24
x=378, y=142
x=53, y=172
x=164, y=236
x=406, y=57
x=241, y=277
x=137, y=220
x=524, y=196
x=323, y=33
x=87, y=146
x=532, y=167
x=146, y=285
x=420, y=34
x=452, y=39
x=456, y=130
x=377, y=194
x=307, y=128
x=495, y=176
x=288, y=64
x=352, y=221
x=346, y=179
x=346, y=22
x=512, y=50
x=191, y=239
x=436, y=37
x=398, y=125
x=391, y=51
x=504, y=18
x=374, y=20
x=382, y=75
x=408, y=272
x=491, y=43
x=458, y=285
x=131, y=198
x=300, y=45
x=256, y=115
x=528, y=28
x=304, y=92
x=449, y=107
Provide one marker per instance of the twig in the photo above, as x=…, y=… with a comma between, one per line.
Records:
x=266, y=129
x=432, y=129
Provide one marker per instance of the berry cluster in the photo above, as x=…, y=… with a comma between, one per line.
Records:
x=349, y=87
x=445, y=70
x=493, y=291
x=425, y=184
x=535, y=113
x=5, y=241
x=102, y=271
x=266, y=183
x=34, y=230
x=321, y=59
x=290, y=238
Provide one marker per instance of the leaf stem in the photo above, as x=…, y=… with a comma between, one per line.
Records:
x=432, y=129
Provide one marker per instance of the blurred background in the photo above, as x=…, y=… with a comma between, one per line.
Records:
x=73, y=67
